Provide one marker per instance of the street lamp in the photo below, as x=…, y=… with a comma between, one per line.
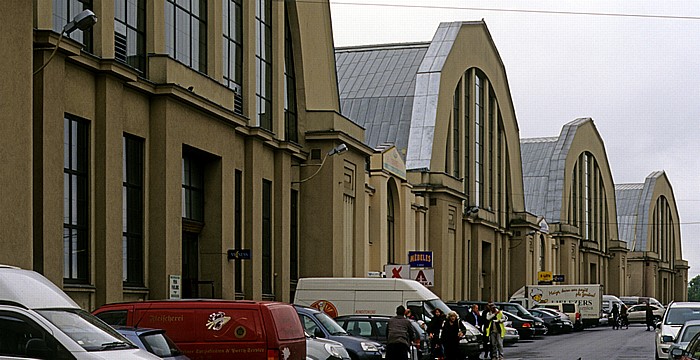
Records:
x=335, y=151
x=83, y=21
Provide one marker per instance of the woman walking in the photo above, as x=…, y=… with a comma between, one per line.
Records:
x=452, y=331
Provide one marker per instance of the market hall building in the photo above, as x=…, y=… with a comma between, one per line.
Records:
x=169, y=133
x=445, y=107
x=649, y=223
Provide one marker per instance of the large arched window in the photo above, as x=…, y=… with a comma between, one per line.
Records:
x=662, y=237
x=541, y=254
x=588, y=200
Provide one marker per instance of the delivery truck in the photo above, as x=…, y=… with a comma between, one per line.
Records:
x=587, y=296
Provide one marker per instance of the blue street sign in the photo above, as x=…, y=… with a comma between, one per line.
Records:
x=558, y=278
x=420, y=259
x=238, y=254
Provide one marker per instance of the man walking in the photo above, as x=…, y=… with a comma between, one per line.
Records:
x=399, y=334
x=649, y=316
x=495, y=330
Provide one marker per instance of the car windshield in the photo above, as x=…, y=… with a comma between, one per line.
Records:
x=159, y=344
x=330, y=324
x=86, y=330
x=431, y=305
x=689, y=333
x=678, y=316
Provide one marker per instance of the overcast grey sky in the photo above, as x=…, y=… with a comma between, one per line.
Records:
x=638, y=76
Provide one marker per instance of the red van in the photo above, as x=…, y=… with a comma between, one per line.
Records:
x=218, y=329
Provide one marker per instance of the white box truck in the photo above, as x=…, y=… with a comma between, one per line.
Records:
x=587, y=296
x=367, y=296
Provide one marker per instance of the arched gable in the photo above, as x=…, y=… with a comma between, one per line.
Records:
x=456, y=48
x=578, y=137
x=656, y=186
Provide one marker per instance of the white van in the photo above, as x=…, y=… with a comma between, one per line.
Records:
x=367, y=296
x=39, y=321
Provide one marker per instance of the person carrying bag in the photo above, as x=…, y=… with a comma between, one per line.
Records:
x=453, y=330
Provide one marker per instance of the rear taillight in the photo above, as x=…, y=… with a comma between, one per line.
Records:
x=273, y=354
x=416, y=343
x=578, y=316
x=526, y=325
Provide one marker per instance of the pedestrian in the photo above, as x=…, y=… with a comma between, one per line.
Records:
x=452, y=331
x=649, y=317
x=399, y=335
x=434, y=327
x=485, y=338
x=623, y=317
x=409, y=315
x=496, y=331
x=615, y=316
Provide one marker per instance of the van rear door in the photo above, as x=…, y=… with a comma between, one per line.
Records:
x=287, y=341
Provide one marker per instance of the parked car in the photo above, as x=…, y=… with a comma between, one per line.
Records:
x=320, y=325
x=525, y=327
x=553, y=322
x=40, y=321
x=218, y=329
x=569, y=309
x=677, y=313
x=637, y=300
x=512, y=336
x=374, y=327
x=691, y=352
x=324, y=349
x=685, y=335
x=152, y=340
x=638, y=313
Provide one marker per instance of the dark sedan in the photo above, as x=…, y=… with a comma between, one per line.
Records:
x=525, y=327
x=554, y=323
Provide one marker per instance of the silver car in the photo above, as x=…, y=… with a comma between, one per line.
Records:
x=674, y=318
x=324, y=349
x=685, y=334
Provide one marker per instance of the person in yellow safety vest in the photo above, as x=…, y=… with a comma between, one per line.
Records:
x=496, y=330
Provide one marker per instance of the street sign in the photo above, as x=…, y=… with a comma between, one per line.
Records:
x=238, y=254
x=545, y=276
x=401, y=271
x=175, y=286
x=558, y=278
x=424, y=276
x=420, y=259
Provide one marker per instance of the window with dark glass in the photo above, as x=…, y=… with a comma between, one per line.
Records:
x=186, y=32
x=192, y=189
x=233, y=50
x=456, y=118
x=479, y=141
x=467, y=127
x=132, y=214
x=130, y=33
x=75, y=201
x=238, y=228
x=290, y=86
x=493, y=110
x=64, y=11
x=267, y=237
x=390, y=231
x=263, y=63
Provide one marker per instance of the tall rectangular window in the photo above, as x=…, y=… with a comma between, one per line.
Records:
x=132, y=212
x=64, y=11
x=456, y=118
x=192, y=189
x=478, y=141
x=493, y=111
x=263, y=63
x=75, y=201
x=238, y=228
x=130, y=33
x=186, y=32
x=233, y=50
x=267, y=237
x=290, y=86
x=467, y=128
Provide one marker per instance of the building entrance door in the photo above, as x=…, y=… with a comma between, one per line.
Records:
x=190, y=265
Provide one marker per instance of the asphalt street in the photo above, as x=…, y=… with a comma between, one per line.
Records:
x=600, y=343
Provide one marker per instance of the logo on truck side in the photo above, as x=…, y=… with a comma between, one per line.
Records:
x=326, y=307
x=217, y=320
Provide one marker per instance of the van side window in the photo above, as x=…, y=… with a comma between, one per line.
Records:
x=116, y=317
x=22, y=337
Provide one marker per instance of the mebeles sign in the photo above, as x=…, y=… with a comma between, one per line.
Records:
x=420, y=259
